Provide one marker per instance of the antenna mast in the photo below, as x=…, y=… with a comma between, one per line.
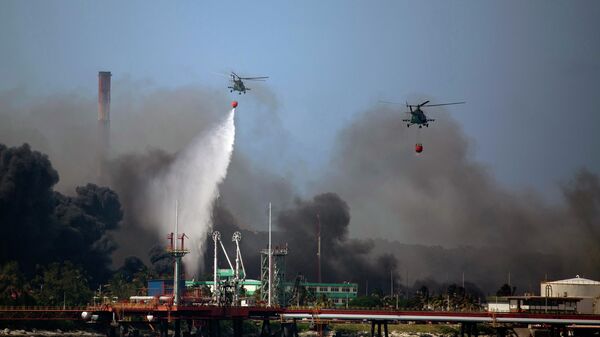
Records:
x=270, y=260
x=318, y=248
x=216, y=237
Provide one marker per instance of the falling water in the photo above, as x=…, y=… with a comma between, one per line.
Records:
x=193, y=180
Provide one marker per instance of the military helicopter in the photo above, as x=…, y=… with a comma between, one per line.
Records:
x=238, y=85
x=418, y=117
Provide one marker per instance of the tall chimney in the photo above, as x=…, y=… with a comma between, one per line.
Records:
x=103, y=119
x=104, y=96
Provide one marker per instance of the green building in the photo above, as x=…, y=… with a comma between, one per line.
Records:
x=338, y=294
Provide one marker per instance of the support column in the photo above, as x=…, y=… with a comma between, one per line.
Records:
x=238, y=327
x=177, y=328
x=123, y=330
x=379, y=329
x=295, y=329
x=462, y=329
x=163, y=328
x=214, y=328
x=111, y=331
x=385, y=326
x=372, y=328
x=265, y=331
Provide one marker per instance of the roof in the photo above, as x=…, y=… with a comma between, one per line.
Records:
x=316, y=284
x=248, y=282
x=566, y=299
x=575, y=280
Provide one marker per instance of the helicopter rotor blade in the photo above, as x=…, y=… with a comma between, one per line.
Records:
x=260, y=78
x=422, y=104
x=445, y=104
x=224, y=74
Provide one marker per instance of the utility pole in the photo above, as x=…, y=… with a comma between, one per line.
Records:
x=177, y=258
x=270, y=259
x=407, y=283
x=216, y=291
x=318, y=248
x=391, y=282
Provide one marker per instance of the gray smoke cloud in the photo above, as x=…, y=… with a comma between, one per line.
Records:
x=296, y=228
x=443, y=198
x=143, y=118
x=440, y=212
x=148, y=127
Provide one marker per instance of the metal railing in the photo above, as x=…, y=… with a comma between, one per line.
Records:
x=41, y=308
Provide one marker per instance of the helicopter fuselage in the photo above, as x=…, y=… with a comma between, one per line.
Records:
x=418, y=117
x=239, y=86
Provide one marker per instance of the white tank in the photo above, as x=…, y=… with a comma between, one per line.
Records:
x=587, y=290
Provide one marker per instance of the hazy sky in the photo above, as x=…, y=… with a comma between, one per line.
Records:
x=529, y=70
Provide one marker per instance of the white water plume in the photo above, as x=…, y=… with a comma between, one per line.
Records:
x=192, y=180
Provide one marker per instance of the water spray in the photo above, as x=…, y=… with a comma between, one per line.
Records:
x=193, y=180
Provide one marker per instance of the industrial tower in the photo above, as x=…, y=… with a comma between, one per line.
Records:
x=278, y=275
x=177, y=252
x=103, y=143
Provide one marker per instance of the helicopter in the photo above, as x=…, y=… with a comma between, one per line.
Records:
x=418, y=117
x=238, y=85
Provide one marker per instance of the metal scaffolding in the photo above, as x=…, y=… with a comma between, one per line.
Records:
x=278, y=261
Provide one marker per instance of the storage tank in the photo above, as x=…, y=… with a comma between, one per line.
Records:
x=588, y=290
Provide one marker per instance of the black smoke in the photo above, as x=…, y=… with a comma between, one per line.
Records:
x=443, y=213
x=27, y=225
x=39, y=226
x=342, y=258
x=130, y=175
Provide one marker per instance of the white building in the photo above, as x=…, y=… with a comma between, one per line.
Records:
x=587, y=290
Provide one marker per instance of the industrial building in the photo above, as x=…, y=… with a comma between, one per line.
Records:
x=585, y=289
x=229, y=286
x=574, y=295
x=340, y=294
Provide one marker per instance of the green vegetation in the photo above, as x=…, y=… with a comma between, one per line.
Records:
x=59, y=284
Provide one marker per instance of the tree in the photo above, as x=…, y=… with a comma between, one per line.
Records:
x=14, y=289
x=130, y=279
x=365, y=302
x=506, y=290
x=62, y=284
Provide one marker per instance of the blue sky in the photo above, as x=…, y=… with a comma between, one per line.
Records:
x=529, y=70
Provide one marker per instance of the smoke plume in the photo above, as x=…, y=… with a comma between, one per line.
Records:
x=296, y=228
x=439, y=214
x=444, y=198
x=40, y=226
